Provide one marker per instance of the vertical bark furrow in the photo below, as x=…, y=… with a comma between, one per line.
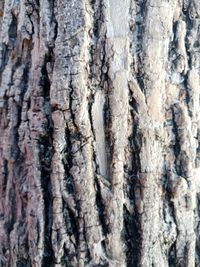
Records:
x=137, y=26
x=45, y=157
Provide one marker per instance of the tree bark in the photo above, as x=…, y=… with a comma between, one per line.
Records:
x=99, y=133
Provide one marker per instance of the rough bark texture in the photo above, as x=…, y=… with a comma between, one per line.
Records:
x=99, y=133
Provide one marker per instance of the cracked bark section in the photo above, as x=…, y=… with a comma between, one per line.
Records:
x=99, y=123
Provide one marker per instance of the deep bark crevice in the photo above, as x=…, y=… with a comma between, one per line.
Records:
x=138, y=34
x=131, y=237
x=45, y=161
x=176, y=146
x=45, y=157
x=12, y=32
x=197, y=230
x=4, y=176
x=132, y=224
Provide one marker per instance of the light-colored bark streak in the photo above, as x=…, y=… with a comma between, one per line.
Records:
x=99, y=130
x=157, y=32
x=118, y=56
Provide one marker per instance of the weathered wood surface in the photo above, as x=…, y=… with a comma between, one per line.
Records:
x=99, y=133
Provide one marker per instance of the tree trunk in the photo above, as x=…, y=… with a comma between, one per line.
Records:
x=99, y=133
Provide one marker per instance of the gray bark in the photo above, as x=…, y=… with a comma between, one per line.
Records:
x=99, y=133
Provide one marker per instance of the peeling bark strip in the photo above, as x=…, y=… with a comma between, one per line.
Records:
x=99, y=133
